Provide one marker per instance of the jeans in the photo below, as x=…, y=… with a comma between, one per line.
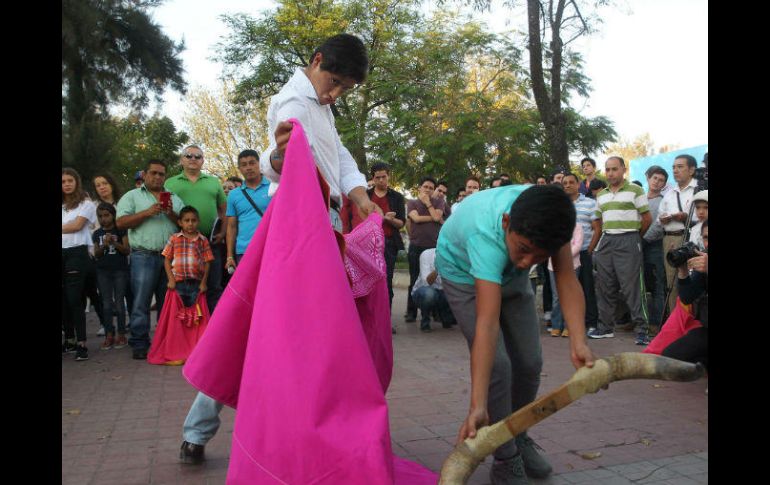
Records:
x=148, y=277
x=655, y=279
x=75, y=264
x=202, y=420
x=91, y=291
x=391, y=252
x=413, y=255
x=112, y=286
x=542, y=271
x=557, y=318
x=188, y=291
x=428, y=299
x=585, y=275
x=518, y=359
x=214, y=282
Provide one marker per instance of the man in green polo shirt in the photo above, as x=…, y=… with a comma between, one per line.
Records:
x=149, y=227
x=205, y=193
x=625, y=217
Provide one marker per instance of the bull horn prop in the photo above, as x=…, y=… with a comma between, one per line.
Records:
x=461, y=464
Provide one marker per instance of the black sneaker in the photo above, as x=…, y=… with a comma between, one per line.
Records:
x=191, y=453
x=139, y=354
x=535, y=464
x=68, y=348
x=596, y=333
x=642, y=339
x=81, y=353
x=508, y=472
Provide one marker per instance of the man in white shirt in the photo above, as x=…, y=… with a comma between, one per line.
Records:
x=335, y=67
x=428, y=293
x=672, y=213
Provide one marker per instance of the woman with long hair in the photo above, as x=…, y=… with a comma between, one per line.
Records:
x=77, y=214
x=106, y=189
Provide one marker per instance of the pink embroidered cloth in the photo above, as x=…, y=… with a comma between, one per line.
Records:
x=179, y=329
x=305, y=362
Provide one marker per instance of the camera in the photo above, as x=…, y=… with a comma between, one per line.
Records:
x=679, y=256
x=702, y=175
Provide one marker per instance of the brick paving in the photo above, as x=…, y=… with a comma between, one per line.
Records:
x=122, y=419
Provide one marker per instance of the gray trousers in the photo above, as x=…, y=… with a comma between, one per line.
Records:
x=620, y=274
x=518, y=359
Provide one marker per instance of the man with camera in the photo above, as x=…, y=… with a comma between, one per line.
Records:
x=673, y=213
x=692, y=268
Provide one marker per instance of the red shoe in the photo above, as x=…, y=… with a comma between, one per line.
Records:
x=108, y=342
x=121, y=341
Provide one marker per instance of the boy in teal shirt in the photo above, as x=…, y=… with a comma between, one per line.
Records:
x=483, y=255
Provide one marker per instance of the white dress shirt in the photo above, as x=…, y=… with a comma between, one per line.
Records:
x=427, y=266
x=669, y=206
x=298, y=99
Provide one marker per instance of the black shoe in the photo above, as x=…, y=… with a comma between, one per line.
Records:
x=140, y=354
x=535, y=464
x=393, y=330
x=508, y=472
x=191, y=453
x=426, y=329
x=68, y=348
x=81, y=352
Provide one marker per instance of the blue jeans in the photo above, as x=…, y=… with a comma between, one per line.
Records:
x=112, y=286
x=188, y=291
x=202, y=420
x=148, y=277
x=427, y=298
x=655, y=279
x=557, y=319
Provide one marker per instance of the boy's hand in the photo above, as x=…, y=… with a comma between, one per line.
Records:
x=477, y=418
x=581, y=355
x=202, y=287
x=368, y=207
x=171, y=284
x=282, y=135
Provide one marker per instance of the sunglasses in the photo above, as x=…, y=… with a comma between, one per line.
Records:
x=188, y=156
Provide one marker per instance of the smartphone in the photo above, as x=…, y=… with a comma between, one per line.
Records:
x=165, y=200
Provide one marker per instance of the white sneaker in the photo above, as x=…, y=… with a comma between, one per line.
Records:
x=100, y=333
x=547, y=316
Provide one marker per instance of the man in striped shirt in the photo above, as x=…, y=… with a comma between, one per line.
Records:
x=625, y=217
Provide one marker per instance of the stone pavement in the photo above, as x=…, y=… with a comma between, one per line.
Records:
x=122, y=419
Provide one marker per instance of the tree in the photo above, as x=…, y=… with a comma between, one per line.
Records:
x=641, y=146
x=224, y=128
x=112, y=52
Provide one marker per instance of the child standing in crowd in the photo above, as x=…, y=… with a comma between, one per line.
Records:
x=188, y=258
x=701, y=201
x=111, y=251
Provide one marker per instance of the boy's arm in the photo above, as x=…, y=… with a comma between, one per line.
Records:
x=169, y=274
x=206, y=267
x=232, y=234
x=573, y=307
x=364, y=203
x=596, y=225
x=488, y=300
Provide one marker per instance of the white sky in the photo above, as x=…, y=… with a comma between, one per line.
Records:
x=648, y=64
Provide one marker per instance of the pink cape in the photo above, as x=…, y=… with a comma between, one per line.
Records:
x=309, y=381
x=678, y=324
x=179, y=329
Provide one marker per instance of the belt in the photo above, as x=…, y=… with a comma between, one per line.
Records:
x=674, y=233
x=145, y=250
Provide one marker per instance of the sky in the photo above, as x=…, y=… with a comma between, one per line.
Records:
x=648, y=63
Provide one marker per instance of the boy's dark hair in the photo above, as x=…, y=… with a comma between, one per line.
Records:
x=691, y=162
x=235, y=179
x=504, y=175
x=504, y=182
x=457, y=192
x=344, y=55
x=656, y=169
x=379, y=166
x=589, y=160
x=597, y=184
x=248, y=153
x=427, y=179
x=570, y=174
x=188, y=208
x=473, y=177
x=637, y=183
x=444, y=183
x=154, y=161
x=557, y=172
x=104, y=206
x=545, y=215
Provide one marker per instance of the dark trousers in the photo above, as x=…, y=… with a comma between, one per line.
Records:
x=655, y=279
x=91, y=291
x=691, y=347
x=214, y=282
x=75, y=264
x=542, y=272
x=586, y=278
x=112, y=287
x=188, y=291
x=413, y=255
x=391, y=252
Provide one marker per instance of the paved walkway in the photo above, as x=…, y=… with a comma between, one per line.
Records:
x=122, y=419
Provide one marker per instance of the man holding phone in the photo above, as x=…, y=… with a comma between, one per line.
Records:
x=205, y=193
x=150, y=223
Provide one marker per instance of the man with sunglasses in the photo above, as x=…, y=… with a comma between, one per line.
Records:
x=205, y=193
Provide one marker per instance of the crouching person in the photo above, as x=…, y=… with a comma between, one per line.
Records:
x=428, y=293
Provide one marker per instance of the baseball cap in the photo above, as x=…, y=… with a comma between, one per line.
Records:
x=702, y=195
x=138, y=175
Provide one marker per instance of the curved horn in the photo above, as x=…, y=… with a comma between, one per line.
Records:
x=460, y=465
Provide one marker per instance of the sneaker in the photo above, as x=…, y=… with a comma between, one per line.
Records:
x=508, y=472
x=191, y=453
x=642, y=339
x=596, y=333
x=121, y=341
x=555, y=332
x=426, y=329
x=535, y=464
x=548, y=327
x=68, y=347
x=565, y=333
x=81, y=353
x=109, y=341
x=100, y=333
x=547, y=316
